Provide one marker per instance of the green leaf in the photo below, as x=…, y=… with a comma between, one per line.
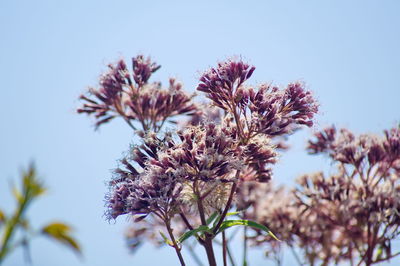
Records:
x=61, y=233
x=166, y=240
x=212, y=217
x=219, y=217
x=232, y=213
x=201, y=228
x=229, y=223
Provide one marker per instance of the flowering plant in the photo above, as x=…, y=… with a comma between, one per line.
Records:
x=352, y=215
x=187, y=181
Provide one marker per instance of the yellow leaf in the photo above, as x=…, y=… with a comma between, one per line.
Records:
x=2, y=217
x=61, y=233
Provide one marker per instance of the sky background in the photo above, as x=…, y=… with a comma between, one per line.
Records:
x=347, y=52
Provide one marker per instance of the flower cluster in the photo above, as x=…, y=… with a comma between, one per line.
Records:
x=271, y=111
x=276, y=112
x=138, y=192
x=221, y=84
x=145, y=103
x=353, y=214
x=199, y=172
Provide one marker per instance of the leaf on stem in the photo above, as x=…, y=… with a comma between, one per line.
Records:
x=61, y=233
x=166, y=240
x=229, y=223
x=201, y=228
x=211, y=218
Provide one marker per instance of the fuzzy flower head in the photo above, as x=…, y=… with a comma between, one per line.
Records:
x=275, y=112
x=142, y=69
x=153, y=105
x=259, y=155
x=133, y=191
x=359, y=151
x=221, y=83
x=104, y=101
x=206, y=152
x=131, y=97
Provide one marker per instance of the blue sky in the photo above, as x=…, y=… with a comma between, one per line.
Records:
x=347, y=52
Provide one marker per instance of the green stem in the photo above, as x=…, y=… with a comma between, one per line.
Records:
x=10, y=228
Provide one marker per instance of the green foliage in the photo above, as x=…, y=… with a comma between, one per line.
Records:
x=32, y=188
x=166, y=240
x=200, y=229
x=224, y=225
x=229, y=223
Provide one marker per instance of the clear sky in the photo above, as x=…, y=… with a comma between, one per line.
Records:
x=347, y=52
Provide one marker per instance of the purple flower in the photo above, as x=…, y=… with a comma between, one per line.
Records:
x=152, y=105
x=276, y=112
x=391, y=143
x=206, y=153
x=220, y=84
x=147, y=104
x=137, y=192
x=258, y=156
x=142, y=69
x=107, y=98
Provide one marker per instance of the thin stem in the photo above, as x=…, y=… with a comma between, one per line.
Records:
x=295, y=255
x=228, y=205
x=185, y=220
x=129, y=123
x=224, y=248
x=189, y=226
x=237, y=120
x=231, y=259
x=208, y=246
x=194, y=255
x=120, y=111
x=175, y=245
x=387, y=258
x=245, y=246
x=200, y=204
